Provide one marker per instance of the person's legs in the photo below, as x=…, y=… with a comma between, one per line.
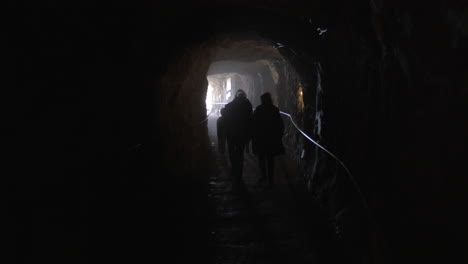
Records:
x=231, y=151
x=222, y=144
x=271, y=167
x=261, y=164
x=239, y=159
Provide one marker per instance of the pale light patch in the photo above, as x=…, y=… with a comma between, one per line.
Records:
x=273, y=71
x=300, y=98
x=209, y=98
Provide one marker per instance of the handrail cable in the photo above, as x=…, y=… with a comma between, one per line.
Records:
x=354, y=182
x=204, y=120
x=335, y=157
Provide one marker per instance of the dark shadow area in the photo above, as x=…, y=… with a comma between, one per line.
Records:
x=108, y=159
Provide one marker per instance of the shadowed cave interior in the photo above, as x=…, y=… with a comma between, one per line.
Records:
x=112, y=151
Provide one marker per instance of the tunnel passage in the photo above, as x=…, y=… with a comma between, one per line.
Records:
x=235, y=62
x=112, y=95
x=226, y=77
x=254, y=67
x=257, y=65
x=355, y=96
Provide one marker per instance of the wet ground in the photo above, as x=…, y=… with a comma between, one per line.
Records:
x=251, y=223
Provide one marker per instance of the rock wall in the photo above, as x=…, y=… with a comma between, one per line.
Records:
x=391, y=115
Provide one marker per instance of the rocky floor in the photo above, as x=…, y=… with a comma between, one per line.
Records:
x=251, y=223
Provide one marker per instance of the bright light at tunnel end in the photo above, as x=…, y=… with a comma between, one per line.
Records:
x=209, y=99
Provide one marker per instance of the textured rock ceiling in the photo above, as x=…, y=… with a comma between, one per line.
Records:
x=220, y=67
x=246, y=50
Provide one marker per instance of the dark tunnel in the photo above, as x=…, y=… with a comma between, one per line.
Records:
x=111, y=149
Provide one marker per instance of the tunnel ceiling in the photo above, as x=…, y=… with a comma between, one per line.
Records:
x=246, y=50
x=243, y=55
x=221, y=67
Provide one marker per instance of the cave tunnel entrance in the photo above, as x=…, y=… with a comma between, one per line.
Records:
x=255, y=66
x=205, y=75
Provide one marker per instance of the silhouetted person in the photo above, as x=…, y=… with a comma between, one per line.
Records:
x=238, y=115
x=267, y=132
x=221, y=131
x=248, y=146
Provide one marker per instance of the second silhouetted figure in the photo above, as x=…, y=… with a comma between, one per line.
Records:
x=267, y=135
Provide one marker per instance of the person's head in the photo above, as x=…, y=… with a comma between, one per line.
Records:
x=266, y=98
x=241, y=94
x=223, y=110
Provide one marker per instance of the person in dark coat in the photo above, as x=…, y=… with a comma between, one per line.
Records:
x=238, y=115
x=268, y=129
x=221, y=131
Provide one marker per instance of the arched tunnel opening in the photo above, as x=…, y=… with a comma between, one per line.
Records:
x=254, y=66
x=257, y=65
x=112, y=146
